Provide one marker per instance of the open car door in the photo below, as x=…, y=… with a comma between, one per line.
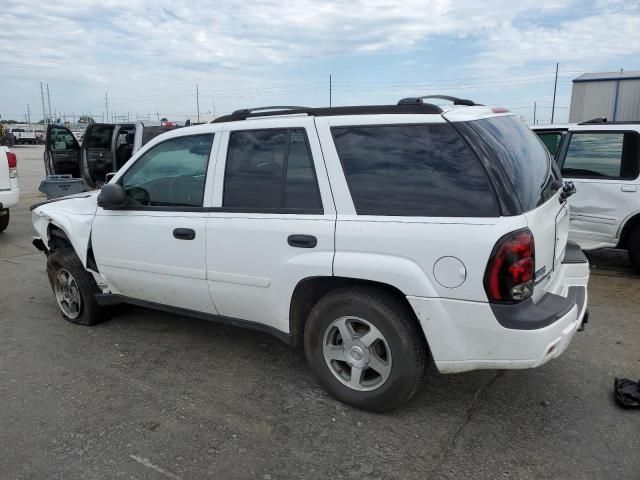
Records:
x=97, y=153
x=62, y=152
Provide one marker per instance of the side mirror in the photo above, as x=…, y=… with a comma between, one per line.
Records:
x=112, y=197
x=109, y=176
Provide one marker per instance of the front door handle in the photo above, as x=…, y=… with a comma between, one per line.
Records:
x=184, y=233
x=629, y=188
x=302, y=241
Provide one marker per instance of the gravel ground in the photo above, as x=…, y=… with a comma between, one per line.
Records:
x=154, y=395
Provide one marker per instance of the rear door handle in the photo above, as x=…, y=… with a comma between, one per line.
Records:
x=184, y=233
x=629, y=188
x=302, y=241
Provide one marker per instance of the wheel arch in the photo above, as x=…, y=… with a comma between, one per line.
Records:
x=629, y=225
x=310, y=290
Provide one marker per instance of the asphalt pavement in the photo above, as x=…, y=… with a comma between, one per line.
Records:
x=155, y=395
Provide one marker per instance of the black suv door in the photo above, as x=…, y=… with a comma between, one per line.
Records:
x=62, y=152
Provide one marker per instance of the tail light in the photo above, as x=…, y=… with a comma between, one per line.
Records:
x=13, y=164
x=509, y=277
x=168, y=124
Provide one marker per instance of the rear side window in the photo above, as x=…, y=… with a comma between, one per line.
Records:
x=522, y=155
x=271, y=170
x=551, y=140
x=602, y=155
x=413, y=170
x=99, y=137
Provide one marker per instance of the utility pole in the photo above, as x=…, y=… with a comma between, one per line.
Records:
x=158, y=114
x=44, y=112
x=555, y=86
x=106, y=104
x=28, y=115
x=330, y=90
x=213, y=102
x=49, y=102
x=198, y=102
x=534, y=112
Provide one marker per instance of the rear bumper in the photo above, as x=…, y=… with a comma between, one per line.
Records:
x=9, y=198
x=469, y=336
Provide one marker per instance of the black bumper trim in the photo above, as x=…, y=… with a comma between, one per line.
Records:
x=573, y=254
x=532, y=316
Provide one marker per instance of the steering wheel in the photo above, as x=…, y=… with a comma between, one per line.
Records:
x=139, y=195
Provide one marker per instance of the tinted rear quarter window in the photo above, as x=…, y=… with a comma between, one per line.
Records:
x=521, y=154
x=413, y=170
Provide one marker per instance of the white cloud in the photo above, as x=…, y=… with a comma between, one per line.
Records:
x=136, y=48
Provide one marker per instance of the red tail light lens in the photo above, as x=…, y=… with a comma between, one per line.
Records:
x=13, y=164
x=510, y=273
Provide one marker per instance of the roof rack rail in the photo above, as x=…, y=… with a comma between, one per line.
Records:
x=594, y=120
x=408, y=108
x=420, y=100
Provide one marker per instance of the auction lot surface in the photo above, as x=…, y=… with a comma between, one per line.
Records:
x=154, y=395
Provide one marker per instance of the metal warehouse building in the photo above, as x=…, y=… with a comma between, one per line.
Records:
x=615, y=96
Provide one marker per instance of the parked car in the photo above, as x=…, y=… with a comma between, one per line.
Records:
x=379, y=237
x=9, y=188
x=104, y=148
x=41, y=136
x=602, y=159
x=23, y=135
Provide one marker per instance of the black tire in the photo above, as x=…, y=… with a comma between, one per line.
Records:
x=4, y=219
x=394, y=320
x=633, y=248
x=90, y=313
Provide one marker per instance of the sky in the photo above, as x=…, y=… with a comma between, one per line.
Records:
x=148, y=56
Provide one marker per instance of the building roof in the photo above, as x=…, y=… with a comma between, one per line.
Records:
x=604, y=76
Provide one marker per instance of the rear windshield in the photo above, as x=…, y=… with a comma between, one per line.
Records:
x=99, y=136
x=413, y=170
x=149, y=133
x=522, y=155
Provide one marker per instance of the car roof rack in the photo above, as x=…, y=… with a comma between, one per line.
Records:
x=409, y=108
x=454, y=100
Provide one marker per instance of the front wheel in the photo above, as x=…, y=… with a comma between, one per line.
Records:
x=366, y=348
x=4, y=219
x=633, y=248
x=74, y=288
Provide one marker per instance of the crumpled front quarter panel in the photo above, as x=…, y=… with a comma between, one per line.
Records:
x=73, y=215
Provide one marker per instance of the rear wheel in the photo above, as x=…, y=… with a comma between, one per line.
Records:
x=633, y=248
x=4, y=219
x=74, y=288
x=365, y=347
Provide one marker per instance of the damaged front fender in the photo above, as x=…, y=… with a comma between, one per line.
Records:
x=73, y=215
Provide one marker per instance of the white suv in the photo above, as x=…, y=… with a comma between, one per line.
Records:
x=9, y=189
x=378, y=237
x=603, y=160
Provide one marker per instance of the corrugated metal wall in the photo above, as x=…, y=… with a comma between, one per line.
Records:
x=595, y=99
x=628, y=101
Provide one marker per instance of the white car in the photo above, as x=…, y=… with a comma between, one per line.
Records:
x=23, y=135
x=603, y=161
x=9, y=189
x=379, y=237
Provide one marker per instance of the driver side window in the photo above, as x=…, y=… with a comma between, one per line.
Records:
x=171, y=174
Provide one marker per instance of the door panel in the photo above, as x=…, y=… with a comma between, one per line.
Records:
x=62, y=152
x=154, y=250
x=603, y=165
x=139, y=254
x=253, y=266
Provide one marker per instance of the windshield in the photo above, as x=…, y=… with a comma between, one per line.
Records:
x=522, y=155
